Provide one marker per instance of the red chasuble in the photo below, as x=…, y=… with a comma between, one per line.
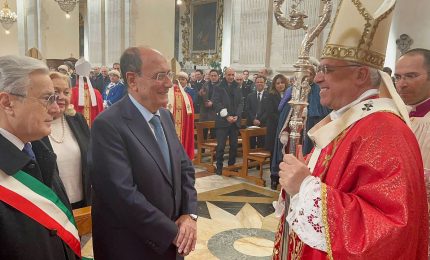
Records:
x=373, y=195
x=88, y=111
x=184, y=123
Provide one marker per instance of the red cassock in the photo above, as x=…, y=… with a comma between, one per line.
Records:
x=90, y=112
x=373, y=195
x=184, y=123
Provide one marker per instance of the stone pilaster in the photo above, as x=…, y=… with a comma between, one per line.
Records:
x=95, y=16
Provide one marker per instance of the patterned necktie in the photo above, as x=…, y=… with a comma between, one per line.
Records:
x=28, y=151
x=161, y=140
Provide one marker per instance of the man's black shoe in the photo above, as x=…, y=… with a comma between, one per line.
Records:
x=219, y=171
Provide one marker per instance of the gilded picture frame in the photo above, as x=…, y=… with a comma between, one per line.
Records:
x=202, y=41
x=203, y=26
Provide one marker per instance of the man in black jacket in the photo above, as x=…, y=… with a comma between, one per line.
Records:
x=207, y=112
x=248, y=85
x=102, y=80
x=35, y=215
x=197, y=85
x=228, y=104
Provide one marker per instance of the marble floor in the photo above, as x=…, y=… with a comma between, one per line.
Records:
x=236, y=219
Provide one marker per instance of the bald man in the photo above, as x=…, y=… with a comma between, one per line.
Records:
x=228, y=104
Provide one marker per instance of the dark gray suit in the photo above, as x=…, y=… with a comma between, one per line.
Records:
x=136, y=200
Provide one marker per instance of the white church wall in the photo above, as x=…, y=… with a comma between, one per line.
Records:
x=250, y=38
x=41, y=25
x=111, y=26
x=59, y=36
x=279, y=51
x=154, y=25
x=412, y=19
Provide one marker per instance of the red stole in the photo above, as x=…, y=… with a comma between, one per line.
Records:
x=88, y=111
x=184, y=123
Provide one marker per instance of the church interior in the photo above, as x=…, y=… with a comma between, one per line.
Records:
x=236, y=216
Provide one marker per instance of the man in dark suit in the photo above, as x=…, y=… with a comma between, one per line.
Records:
x=248, y=85
x=35, y=215
x=207, y=112
x=144, y=201
x=228, y=104
x=265, y=72
x=102, y=80
x=197, y=85
x=253, y=107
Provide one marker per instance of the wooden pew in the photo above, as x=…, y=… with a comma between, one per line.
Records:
x=83, y=220
x=196, y=119
x=251, y=157
x=209, y=146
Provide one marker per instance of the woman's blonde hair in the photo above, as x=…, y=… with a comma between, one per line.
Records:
x=70, y=110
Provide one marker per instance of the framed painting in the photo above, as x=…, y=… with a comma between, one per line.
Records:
x=204, y=26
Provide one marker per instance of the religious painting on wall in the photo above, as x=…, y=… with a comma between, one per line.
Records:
x=204, y=26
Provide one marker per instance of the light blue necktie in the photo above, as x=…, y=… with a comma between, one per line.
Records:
x=28, y=151
x=161, y=140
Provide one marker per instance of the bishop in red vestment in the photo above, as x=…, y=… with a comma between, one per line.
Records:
x=372, y=197
x=88, y=110
x=361, y=195
x=181, y=106
x=85, y=99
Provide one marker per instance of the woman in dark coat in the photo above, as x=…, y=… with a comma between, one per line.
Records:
x=269, y=113
x=315, y=113
x=69, y=140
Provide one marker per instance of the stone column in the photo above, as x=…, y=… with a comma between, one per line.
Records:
x=114, y=33
x=227, y=34
x=95, y=15
x=28, y=25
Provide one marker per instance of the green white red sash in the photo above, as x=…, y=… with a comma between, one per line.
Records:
x=37, y=201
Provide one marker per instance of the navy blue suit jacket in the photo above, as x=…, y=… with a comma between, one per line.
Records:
x=136, y=201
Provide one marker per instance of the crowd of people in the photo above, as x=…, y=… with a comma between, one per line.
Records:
x=203, y=93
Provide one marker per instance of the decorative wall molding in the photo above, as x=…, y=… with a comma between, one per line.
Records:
x=404, y=43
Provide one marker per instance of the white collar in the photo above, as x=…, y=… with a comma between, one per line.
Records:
x=338, y=113
x=414, y=107
x=12, y=138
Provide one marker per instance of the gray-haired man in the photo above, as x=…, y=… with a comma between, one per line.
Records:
x=35, y=214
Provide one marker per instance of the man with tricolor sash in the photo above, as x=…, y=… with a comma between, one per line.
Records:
x=36, y=221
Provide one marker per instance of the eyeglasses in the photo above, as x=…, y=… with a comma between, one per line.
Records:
x=408, y=77
x=48, y=101
x=162, y=76
x=325, y=69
